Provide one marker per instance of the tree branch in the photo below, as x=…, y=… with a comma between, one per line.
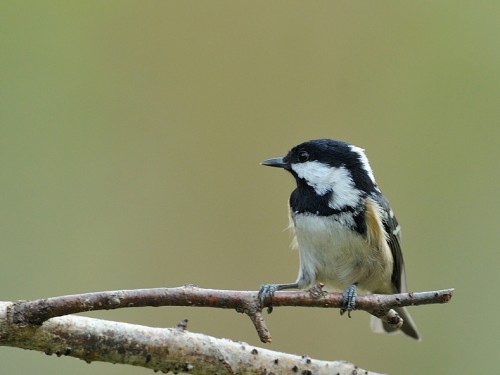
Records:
x=160, y=349
x=40, y=325
x=23, y=313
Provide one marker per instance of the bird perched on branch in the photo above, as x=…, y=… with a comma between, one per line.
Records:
x=345, y=230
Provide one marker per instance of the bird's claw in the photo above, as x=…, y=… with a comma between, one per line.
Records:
x=349, y=300
x=267, y=290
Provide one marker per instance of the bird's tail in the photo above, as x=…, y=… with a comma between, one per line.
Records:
x=409, y=327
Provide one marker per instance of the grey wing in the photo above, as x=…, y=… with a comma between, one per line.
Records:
x=393, y=230
x=398, y=277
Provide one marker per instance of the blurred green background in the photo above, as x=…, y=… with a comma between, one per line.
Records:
x=130, y=139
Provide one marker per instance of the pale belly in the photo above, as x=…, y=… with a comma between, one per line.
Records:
x=332, y=254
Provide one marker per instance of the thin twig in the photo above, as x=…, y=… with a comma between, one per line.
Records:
x=36, y=312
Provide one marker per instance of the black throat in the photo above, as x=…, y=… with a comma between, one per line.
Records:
x=304, y=200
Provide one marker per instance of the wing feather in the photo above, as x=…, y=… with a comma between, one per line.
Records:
x=393, y=232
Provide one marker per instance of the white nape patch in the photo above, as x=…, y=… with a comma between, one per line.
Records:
x=364, y=161
x=324, y=178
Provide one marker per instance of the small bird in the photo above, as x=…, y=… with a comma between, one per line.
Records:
x=344, y=228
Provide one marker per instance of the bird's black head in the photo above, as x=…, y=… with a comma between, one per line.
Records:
x=335, y=170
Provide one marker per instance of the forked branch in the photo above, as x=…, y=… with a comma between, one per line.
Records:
x=41, y=325
x=24, y=313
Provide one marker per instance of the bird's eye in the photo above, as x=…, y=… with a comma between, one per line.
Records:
x=303, y=156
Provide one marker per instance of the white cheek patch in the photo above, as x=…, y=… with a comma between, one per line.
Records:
x=344, y=191
x=324, y=179
x=364, y=161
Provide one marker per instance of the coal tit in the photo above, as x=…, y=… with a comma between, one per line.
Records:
x=344, y=229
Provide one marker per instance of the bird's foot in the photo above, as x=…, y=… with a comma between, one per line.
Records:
x=268, y=290
x=349, y=300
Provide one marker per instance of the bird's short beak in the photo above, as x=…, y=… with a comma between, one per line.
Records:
x=275, y=162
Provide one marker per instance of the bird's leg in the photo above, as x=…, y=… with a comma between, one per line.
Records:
x=269, y=290
x=349, y=299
